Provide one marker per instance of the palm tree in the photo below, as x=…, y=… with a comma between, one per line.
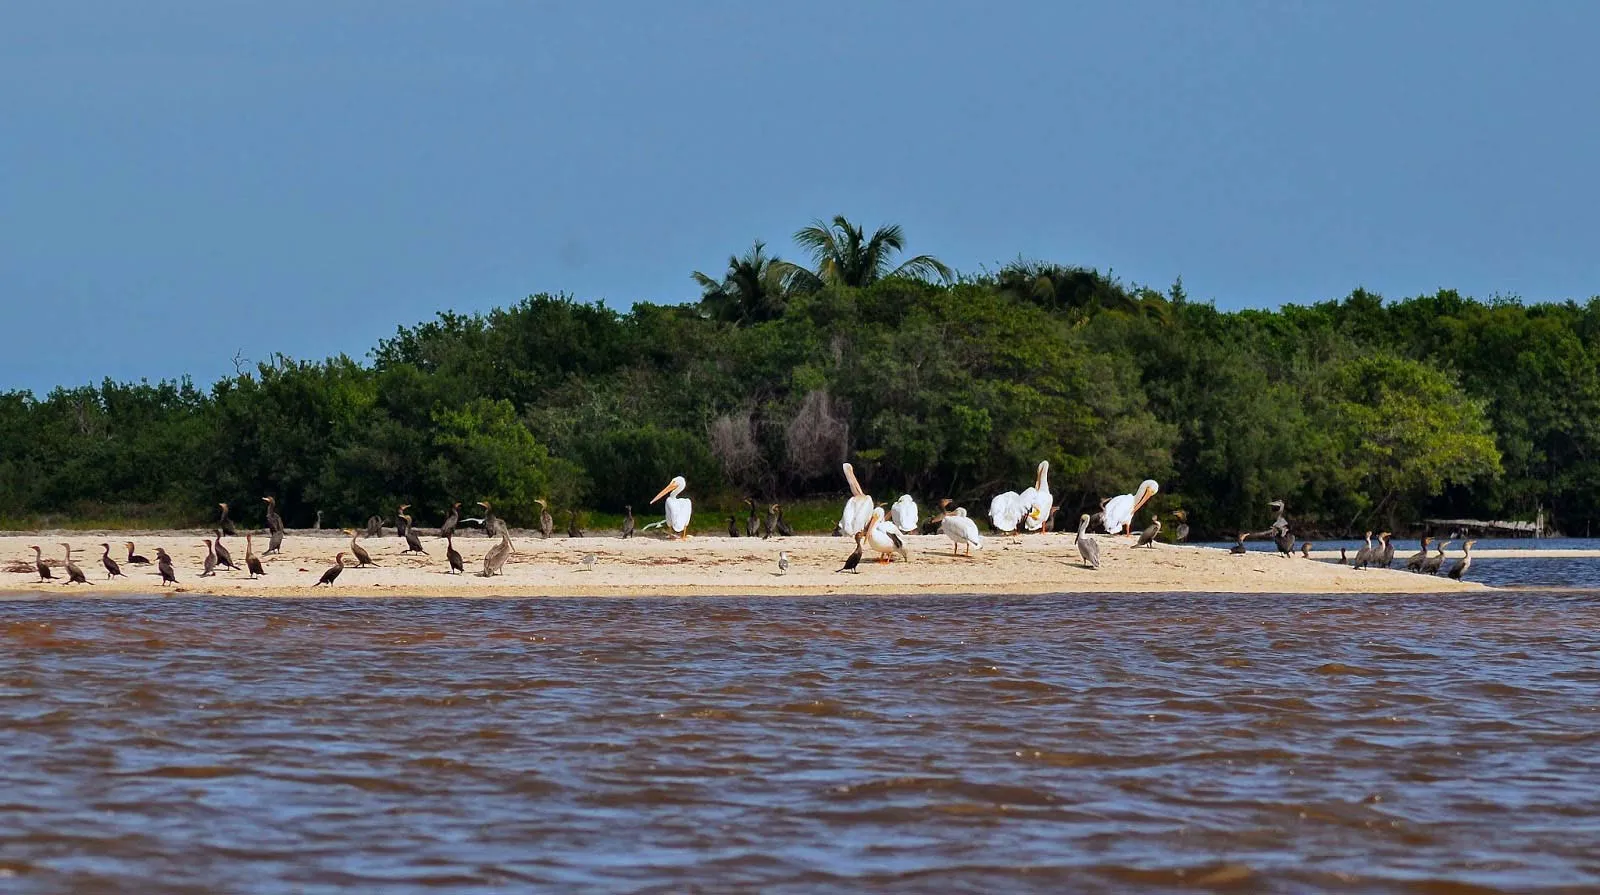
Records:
x=844, y=256
x=752, y=290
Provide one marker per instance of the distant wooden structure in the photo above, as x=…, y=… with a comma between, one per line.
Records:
x=1534, y=529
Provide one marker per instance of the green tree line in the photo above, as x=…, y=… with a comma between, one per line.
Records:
x=1358, y=412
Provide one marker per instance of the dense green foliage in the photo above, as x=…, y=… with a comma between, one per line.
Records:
x=1356, y=412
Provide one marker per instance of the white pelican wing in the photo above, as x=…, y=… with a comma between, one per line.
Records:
x=1006, y=510
x=904, y=514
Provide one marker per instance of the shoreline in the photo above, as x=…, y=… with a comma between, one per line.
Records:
x=703, y=566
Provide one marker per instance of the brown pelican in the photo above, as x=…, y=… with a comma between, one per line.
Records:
x=1414, y=564
x=627, y=521
x=74, y=574
x=1431, y=565
x=451, y=521
x=363, y=558
x=225, y=523
x=164, y=566
x=251, y=561
x=135, y=559
x=457, y=567
x=332, y=574
x=733, y=526
x=1464, y=563
x=1238, y=548
x=752, y=525
x=211, y=560
x=413, y=541
x=1147, y=538
x=962, y=531
x=495, y=560
x=1364, y=555
x=112, y=569
x=1181, y=533
x=1385, y=556
x=854, y=559
x=573, y=531
x=1088, y=547
x=224, y=558
x=547, y=523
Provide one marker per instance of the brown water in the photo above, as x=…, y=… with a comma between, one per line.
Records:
x=1080, y=743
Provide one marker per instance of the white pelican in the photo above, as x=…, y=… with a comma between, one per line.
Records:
x=858, y=509
x=904, y=514
x=1030, y=509
x=678, y=508
x=959, y=529
x=1119, y=510
x=883, y=537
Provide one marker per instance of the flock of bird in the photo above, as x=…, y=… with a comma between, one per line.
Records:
x=873, y=526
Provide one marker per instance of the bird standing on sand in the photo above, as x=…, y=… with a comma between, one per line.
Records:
x=769, y=525
x=961, y=530
x=211, y=560
x=783, y=562
x=752, y=525
x=164, y=566
x=733, y=526
x=224, y=522
x=333, y=572
x=74, y=574
x=1305, y=549
x=251, y=561
x=274, y=529
x=363, y=558
x=1088, y=547
x=457, y=567
x=1364, y=555
x=135, y=559
x=495, y=560
x=1432, y=564
x=1238, y=548
x=587, y=562
x=854, y=559
x=781, y=527
x=224, y=558
x=413, y=540
x=1385, y=557
x=1414, y=564
x=573, y=531
x=628, y=524
x=678, y=509
x=317, y=524
x=883, y=537
x=448, y=528
x=402, y=522
x=112, y=569
x=1147, y=538
x=374, y=527
x=1464, y=563
x=1181, y=533
x=547, y=523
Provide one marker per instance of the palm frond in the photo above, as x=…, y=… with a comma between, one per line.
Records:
x=924, y=267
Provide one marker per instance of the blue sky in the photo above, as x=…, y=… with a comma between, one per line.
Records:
x=181, y=183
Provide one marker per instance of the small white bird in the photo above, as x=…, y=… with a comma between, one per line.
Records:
x=783, y=562
x=587, y=562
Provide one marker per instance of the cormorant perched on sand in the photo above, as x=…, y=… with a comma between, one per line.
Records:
x=413, y=540
x=332, y=574
x=1414, y=564
x=1344, y=559
x=274, y=541
x=274, y=521
x=1147, y=538
x=75, y=575
x=627, y=521
x=135, y=559
x=402, y=522
x=112, y=569
x=164, y=566
x=1384, y=556
x=781, y=528
x=1364, y=555
x=451, y=521
x=854, y=559
x=1181, y=533
x=573, y=531
x=1432, y=564
x=1464, y=563
x=363, y=558
x=752, y=525
x=769, y=525
x=251, y=561
x=1305, y=549
x=1238, y=548
x=374, y=527
x=547, y=523
x=1088, y=547
x=224, y=557
x=225, y=523
x=457, y=567
x=211, y=560
x=733, y=526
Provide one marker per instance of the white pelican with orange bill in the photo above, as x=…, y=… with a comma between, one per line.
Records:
x=858, y=509
x=1119, y=511
x=884, y=537
x=678, y=508
x=1030, y=509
